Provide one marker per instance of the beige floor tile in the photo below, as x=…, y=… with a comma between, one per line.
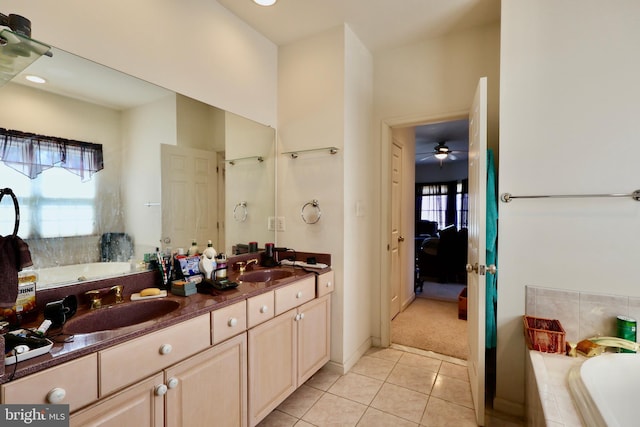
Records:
x=278, y=419
x=493, y=419
x=376, y=418
x=303, y=423
x=418, y=361
x=453, y=390
x=441, y=413
x=416, y=379
x=384, y=353
x=373, y=367
x=323, y=379
x=401, y=402
x=333, y=410
x=456, y=371
x=356, y=387
x=300, y=401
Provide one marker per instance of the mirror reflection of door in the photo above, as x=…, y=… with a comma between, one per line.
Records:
x=221, y=172
x=396, y=238
x=189, y=206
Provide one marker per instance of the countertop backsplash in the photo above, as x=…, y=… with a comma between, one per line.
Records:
x=582, y=314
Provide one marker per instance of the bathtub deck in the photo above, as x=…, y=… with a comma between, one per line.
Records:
x=549, y=400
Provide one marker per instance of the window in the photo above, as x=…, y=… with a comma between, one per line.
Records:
x=51, y=178
x=46, y=207
x=444, y=203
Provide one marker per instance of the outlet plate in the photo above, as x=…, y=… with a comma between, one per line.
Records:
x=275, y=223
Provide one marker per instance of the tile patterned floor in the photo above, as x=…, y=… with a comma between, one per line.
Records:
x=397, y=386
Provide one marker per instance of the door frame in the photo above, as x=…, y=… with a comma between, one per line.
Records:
x=386, y=137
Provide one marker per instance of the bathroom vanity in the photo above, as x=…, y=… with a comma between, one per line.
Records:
x=229, y=358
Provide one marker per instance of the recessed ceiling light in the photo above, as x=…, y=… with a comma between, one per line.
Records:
x=265, y=2
x=35, y=79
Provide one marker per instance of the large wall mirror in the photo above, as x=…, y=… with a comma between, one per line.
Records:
x=175, y=170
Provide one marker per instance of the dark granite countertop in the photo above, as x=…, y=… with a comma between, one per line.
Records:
x=190, y=307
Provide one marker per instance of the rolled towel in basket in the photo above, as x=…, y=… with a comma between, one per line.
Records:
x=14, y=256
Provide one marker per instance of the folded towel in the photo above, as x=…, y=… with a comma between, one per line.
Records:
x=14, y=256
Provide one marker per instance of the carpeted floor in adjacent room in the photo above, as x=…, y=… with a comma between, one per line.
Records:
x=431, y=322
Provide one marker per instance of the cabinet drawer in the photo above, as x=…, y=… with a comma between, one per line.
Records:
x=259, y=309
x=325, y=283
x=74, y=383
x=136, y=359
x=295, y=294
x=229, y=321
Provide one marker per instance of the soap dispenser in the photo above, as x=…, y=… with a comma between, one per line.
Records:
x=193, y=250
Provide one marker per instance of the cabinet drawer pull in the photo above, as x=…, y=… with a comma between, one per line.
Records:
x=56, y=395
x=232, y=322
x=328, y=284
x=299, y=294
x=264, y=309
x=301, y=316
x=161, y=390
x=172, y=382
x=165, y=349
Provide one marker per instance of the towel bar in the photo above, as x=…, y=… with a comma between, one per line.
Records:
x=507, y=197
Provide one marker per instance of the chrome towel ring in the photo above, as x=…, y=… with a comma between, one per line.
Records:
x=311, y=216
x=240, y=212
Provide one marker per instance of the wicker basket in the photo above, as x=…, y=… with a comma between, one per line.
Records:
x=545, y=335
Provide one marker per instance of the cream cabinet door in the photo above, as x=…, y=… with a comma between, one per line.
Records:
x=314, y=337
x=272, y=364
x=140, y=405
x=209, y=389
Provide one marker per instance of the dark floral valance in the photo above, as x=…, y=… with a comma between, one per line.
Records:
x=31, y=154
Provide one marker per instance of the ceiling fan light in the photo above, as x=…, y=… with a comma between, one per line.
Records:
x=265, y=2
x=441, y=156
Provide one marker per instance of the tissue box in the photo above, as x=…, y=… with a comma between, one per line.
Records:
x=183, y=288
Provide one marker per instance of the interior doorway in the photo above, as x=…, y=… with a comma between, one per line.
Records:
x=432, y=320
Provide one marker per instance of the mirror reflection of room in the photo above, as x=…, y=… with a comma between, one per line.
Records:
x=102, y=223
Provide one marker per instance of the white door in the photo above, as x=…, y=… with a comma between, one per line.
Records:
x=396, y=237
x=476, y=294
x=189, y=200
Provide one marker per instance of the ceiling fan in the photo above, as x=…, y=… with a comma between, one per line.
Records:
x=442, y=152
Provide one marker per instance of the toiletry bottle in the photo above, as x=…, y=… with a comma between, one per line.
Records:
x=193, y=250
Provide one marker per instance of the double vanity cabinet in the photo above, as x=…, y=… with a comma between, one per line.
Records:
x=228, y=367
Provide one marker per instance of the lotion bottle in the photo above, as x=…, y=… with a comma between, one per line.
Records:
x=193, y=250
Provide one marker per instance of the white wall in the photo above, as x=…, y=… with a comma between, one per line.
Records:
x=325, y=93
x=311, y=115
x=144, y=129
x=193, y=47
x=569, y=86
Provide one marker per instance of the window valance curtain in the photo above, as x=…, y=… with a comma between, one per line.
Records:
x=31, y=154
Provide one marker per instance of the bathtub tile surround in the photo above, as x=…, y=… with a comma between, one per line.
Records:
x=582, y=314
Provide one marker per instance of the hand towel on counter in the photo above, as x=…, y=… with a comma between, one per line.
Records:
x=14, y=256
